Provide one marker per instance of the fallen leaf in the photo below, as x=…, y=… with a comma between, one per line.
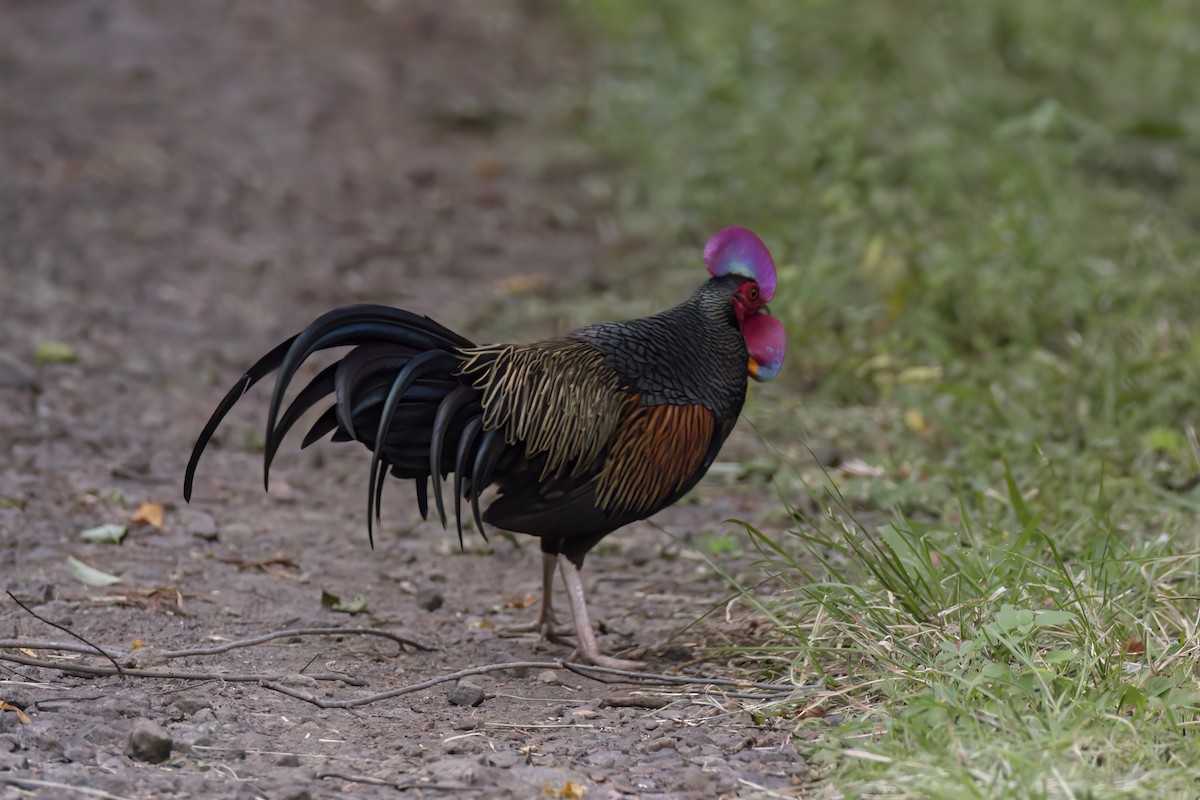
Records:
x=523, y=284
x=1135, y=646
x=20, y=714
x=914, y=420
x=90, y=575
x=334, y=603
x=569, y=791
x=137, y=644
x=149, y=514
x=527, y=601
x=856, y=466
x=112, y=533
x=53, y=352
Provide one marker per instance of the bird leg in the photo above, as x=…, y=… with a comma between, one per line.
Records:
x=546, y=623
x=587, y=650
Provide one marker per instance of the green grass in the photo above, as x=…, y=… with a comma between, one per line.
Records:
x=987, y=221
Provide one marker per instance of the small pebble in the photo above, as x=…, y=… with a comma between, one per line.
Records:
x=13, y=761
x=465, y=693
x=201, y=525
x=237, y=533
x=430, y=599
x=664, y=743
x=149, y=741
x=642, y=554
x=549, y=677
x=288, y=760
x=677, y=652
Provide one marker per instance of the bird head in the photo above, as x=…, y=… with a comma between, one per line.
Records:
x=737, y=251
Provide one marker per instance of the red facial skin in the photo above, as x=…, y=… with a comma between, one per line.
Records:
x=747, y=300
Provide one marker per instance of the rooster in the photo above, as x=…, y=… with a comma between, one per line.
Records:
x=581, y=434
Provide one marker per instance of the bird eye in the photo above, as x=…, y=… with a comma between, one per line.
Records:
x=753, y=293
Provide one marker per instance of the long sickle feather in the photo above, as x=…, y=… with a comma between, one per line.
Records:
x=454, y=402
x=469, y=434
x=262, y=368
x=354, y=325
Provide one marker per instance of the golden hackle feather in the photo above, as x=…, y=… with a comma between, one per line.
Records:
x=558, y=397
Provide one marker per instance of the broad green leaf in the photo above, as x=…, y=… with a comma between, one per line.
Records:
x=111, y=533
x=90, y=575
x=1053, y=617
x=52, y=352
x=334, y=603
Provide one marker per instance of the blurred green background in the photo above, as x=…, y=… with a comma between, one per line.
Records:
x=987, y=215
x=987, y=221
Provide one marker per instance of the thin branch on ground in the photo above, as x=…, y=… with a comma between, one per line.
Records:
x=114, y=655
x=401, y=787
x=162, y=674
x=403, y=690
x=266, y=637
x=34, y=783
x=587, y=671
x=280, y=683
x=66, y=647
x=67, y=631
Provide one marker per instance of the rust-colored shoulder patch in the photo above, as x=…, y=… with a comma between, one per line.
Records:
x=656, y=452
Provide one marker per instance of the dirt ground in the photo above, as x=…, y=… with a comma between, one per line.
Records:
x=182, y=186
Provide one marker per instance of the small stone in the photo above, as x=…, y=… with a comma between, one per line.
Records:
x=430, y=599
x=609, y=759
x=465, y=693
x=9, y=743
x=237, y=533
x=503, y=759
x=288, y=760
x=664, y=743
x=149, y=741
x=13, y=761
x=454, y=770
x=641, y=554
x=677, y=652
x=187, y=706
x=201, y=525
x=549, y=677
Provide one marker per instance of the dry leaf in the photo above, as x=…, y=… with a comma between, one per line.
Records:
x=137, y=644
x=149, y=514
x=569, y=791
x=20, y=714
x=527, y=601
x=856, y=466
x=524, y=284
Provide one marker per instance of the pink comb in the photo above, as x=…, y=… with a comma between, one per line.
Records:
x=737, y=251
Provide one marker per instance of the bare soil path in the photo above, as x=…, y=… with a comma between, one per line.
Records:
x=182, y=185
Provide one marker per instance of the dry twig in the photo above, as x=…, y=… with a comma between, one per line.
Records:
x=66, y=630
